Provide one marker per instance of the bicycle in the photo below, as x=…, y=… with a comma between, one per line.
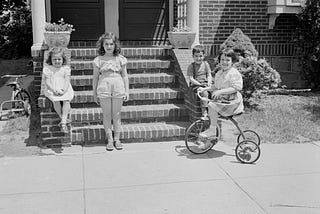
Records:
x=248, y=141
x=20, y=102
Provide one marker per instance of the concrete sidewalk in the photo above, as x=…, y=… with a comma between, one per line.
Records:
x=152, y=178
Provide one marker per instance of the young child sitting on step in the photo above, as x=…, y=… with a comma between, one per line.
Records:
x=199, y=74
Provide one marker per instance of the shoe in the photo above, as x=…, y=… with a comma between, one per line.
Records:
x=204, y=116
x=118, y=145
x=209, y=133
x=109, y=146
x=64, y=128
x=205, y=145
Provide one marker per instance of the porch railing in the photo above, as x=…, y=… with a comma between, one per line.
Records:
x=182, y=13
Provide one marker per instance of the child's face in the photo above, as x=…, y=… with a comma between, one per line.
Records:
x=225, y=62
x=57, y=60
x=108, y=46
x=198, y=57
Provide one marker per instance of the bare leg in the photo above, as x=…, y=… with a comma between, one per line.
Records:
x=116, y=118
x=65, y=111
x=107, y=116
x=211, y=131
x=57, y=107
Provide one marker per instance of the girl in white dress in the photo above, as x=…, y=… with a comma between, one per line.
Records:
x=58, y=87
x=110, y=86
x=225, y=92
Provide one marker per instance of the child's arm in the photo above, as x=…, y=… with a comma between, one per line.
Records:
x=125, y=78
x=66, y=81
x=48, y=82
x=95, y=81
x=194, y=81
x=235, y=84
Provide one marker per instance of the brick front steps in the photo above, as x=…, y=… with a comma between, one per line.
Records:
x=156, y=109
x=139, y=132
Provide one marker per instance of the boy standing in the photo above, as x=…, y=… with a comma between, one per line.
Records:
x=199, y=74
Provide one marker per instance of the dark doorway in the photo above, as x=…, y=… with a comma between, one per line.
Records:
x=143, y=20
x=87, y=17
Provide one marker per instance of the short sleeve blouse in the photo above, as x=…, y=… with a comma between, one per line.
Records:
x=113, y=64
x=231, y=78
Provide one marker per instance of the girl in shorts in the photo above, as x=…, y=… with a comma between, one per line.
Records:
x=110, y=86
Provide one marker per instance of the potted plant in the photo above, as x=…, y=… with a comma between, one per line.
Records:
x=57, y=34
x=181, y=37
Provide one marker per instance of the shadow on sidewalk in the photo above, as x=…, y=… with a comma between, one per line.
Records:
x=183, y=151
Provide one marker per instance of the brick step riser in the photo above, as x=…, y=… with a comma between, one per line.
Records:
x=80, y=72
x=131, y=86
x=136, y=53
x=134, y=82
x=131, y=65
x=135, y=57
x=132, y=121
x=155, y=96
x=97, y=135
x=129, y=103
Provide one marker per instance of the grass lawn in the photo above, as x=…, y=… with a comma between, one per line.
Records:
x=285, y=118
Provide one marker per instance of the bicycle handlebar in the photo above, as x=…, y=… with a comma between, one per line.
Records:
x=14, y=75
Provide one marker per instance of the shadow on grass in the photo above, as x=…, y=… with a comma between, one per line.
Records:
x=314, y=109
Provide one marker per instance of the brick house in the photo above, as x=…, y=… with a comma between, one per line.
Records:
x=160, y=106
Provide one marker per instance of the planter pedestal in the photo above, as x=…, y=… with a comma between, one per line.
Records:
x=181, y=39
x=57, y=39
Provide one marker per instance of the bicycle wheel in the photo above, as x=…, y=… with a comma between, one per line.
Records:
x=247, y=151
x=249, y=135
x=193, y=141
x=26, y=98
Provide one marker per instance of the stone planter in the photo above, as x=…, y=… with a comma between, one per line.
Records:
x=57, y=38
x=181, y=39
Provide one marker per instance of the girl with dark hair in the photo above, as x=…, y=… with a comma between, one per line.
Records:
x=227, y=99
x=58, y=89
x=110, y=86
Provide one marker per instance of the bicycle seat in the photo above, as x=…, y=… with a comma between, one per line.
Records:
x=12, y=83
x=14, y=75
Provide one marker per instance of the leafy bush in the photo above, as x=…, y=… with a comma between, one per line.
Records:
x=257, y=74
x=240, y=43
x=15, y=30
x=308, y=42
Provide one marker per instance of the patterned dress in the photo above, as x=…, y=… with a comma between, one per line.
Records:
x=57, y=78
x=230, y=104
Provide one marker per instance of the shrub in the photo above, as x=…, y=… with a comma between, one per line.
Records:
x=240, y=43
x=308, y=42
x=257, y=74
x=15, y=30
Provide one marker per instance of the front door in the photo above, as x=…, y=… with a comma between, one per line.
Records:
x=87, y=17
x=143, y=20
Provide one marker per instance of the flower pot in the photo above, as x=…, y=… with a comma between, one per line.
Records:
x=57, y=38
x=181, y=39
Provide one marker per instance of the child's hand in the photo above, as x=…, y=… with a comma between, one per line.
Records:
x=216, y=95
x=126, y=97
x=96, y=99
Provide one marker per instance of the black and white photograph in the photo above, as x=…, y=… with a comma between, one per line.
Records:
x=159, y=106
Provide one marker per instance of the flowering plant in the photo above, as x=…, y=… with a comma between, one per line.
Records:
x=60, y=26
x=181, y=28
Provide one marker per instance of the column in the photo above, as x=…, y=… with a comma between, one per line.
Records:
x=193, y=18
x=38, y=10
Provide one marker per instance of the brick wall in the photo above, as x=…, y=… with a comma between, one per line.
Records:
x=218, y=18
